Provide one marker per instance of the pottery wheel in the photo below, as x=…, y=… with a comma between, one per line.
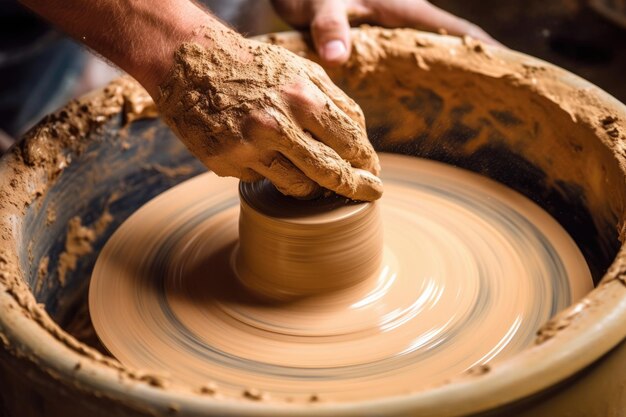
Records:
x=470, y=270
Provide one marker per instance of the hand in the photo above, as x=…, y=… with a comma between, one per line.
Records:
x=244, y=108
x=329, y=21
x=251, y=110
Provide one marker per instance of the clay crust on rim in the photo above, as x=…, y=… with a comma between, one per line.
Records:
x=574, y=339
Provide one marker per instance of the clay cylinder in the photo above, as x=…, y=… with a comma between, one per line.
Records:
x=291, y=248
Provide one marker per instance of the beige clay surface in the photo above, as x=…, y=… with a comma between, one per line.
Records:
x=290, y=248
x=469, y=271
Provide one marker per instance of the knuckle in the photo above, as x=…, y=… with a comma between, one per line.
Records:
x=336, y=180
x=373, y=164
x=293, y=91
x=318, y=71
x=337, y=172
x=261, y=120
x=357, y=116
x=300, y=94
x=318, y=75
x=354, y=130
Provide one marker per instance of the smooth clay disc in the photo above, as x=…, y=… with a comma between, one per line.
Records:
x=470, y=271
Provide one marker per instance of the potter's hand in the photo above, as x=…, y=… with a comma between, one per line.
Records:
x=251, y=110
x=329, y=21
x=245, y=109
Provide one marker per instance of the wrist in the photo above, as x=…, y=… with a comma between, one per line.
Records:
x=185, y=24
x=139, y=36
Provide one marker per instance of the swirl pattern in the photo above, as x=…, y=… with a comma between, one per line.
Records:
x=470, y=271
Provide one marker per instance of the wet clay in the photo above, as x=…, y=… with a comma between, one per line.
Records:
x=290, y=248
x=469, y=271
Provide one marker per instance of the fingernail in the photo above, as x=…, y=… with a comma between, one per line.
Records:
x=334, y=50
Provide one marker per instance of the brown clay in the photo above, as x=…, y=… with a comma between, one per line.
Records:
x=290, y=248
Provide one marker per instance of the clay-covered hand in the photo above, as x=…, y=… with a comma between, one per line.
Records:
x=252, y=110
x=330, y=20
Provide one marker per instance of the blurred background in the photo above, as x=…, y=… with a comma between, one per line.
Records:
x=40, y=69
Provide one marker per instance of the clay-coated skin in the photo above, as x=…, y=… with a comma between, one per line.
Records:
x=264, y=112
x=470, y=270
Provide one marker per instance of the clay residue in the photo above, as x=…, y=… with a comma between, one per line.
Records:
x=239, y=111
x=138, y=105
x=42, y=272
x=51, y=215
x=77, y=243
x=609, y=124
x=172, y=172
x=67, y=129
x=560, y=322
x=149, y=134
x=27, y=172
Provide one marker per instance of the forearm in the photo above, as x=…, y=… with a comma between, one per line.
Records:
x=139, y=36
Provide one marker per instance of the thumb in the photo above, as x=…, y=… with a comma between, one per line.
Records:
x=330, y=29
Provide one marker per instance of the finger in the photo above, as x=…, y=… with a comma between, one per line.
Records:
x=318, y=115
x=321, y=80
x=425, y=15
x=230, y=167
x=331, y=31
x=324, y=166
x=336, y=130
x=288, y=179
